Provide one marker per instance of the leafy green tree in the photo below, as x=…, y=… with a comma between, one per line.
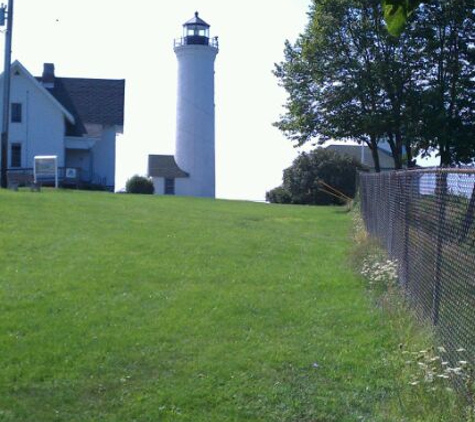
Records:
x=347, y=78
x=445, y=75
x=302, y=180
x=397, y=12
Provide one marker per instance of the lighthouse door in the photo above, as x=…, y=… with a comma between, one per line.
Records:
x=169, y=186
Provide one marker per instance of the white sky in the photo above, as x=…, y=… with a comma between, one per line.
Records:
x=121, y=39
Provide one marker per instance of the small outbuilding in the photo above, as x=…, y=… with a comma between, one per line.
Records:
x=166, y=175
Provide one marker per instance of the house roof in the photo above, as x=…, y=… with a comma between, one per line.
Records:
x=164, y=166
x=90, y=101
x=386, y=161
x=17, y=66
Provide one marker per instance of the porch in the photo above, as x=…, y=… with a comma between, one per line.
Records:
x=67, y=177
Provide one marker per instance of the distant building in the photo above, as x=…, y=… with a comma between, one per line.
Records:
x=364, y=155
x=191, y=171
x=75, y=119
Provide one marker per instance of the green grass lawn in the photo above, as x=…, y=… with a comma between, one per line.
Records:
x=141, y=308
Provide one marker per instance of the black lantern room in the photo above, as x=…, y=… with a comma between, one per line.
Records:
x=196, y=31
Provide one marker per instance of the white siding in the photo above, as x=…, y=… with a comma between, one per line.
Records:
x=186, y=187
x=183, y=186
x=41, y=131
x=103, y=160
x=158, y=185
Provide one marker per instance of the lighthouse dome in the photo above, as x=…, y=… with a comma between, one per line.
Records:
x=196, y=21
x=196, y=32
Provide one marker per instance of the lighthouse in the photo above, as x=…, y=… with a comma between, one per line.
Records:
x=195, y=120
x=191, y=172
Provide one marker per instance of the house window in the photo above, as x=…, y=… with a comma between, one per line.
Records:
x=169, y=186
x=15, y=156
x=16, y=113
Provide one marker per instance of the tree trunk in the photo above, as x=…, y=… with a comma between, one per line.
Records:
x=410, y=159
x=398, y=157
x=373, y=146
x=395, y=150
x=445, y=156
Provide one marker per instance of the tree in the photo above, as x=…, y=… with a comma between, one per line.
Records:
x=302, y=180
x=397, y=12
x=346, y=78
x=445, y=75
x=442, y=35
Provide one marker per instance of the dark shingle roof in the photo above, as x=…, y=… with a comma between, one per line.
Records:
x=385, y=159
x=164, y=166
x=91, y=101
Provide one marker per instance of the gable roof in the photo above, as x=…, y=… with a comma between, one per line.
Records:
x=82, y=101
x=90, y=101
x=17, y=66
x=164, y=166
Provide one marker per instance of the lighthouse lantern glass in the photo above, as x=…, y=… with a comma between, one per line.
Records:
x=196, y=31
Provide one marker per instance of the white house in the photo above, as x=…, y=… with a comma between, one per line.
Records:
x=75, y=119
x=191, y=171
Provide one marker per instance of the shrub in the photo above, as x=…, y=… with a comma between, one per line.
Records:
x=302, y=181
x=139, y=184
x=279, y=195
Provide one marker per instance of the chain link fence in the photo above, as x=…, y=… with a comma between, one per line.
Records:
x=425, y=220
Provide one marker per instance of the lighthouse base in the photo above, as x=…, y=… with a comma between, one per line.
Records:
x=179, y=187
x=169, y=179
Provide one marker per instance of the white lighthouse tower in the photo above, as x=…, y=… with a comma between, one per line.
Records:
x=195, y=121
x=191, y=171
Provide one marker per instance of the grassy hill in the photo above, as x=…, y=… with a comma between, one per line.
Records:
x=141, y=308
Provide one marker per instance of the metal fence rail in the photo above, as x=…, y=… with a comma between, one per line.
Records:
x=425, y=220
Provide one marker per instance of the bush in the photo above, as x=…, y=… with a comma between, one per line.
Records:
x=279, y=195
x=302, y=180
x=139, y=184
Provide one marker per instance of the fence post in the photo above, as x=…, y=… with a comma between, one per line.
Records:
x=405, y=191
x=441, y=199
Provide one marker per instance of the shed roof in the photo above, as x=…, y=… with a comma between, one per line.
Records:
x=165, y=166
